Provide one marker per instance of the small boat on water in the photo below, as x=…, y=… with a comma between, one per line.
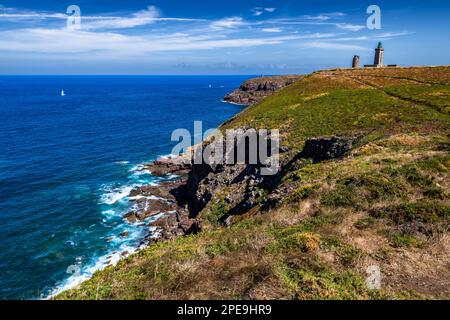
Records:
x=62, y=93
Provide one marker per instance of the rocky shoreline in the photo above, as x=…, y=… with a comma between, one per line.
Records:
x=162, y=199
x=180, y=201
x=176, y=203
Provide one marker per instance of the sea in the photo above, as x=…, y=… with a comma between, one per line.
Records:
x=68, y=162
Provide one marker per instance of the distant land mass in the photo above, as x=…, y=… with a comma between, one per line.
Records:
x=364, y=184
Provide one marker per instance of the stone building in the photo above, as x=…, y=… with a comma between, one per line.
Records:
x=356, y=62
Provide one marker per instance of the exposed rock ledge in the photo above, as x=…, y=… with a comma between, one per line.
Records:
x=254, y=90
x=182, y=200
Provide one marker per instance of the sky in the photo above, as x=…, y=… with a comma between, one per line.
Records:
x=216, y=37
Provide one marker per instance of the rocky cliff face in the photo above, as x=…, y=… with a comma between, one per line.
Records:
x=254, y=90
x=229, y=190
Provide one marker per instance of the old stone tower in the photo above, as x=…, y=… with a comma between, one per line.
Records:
x=378, y=61
x=379, y=55
x=356, y=62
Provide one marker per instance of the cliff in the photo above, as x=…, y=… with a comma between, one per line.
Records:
x=363, y=185
x=255, y=90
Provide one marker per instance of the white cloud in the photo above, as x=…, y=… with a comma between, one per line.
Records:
x=324, y=16
x=13, y=14
x=143, y=17
x=362, y=38
x=140, y=18
x=383, y=36
x=228, y=23
x=350, y=27
x=319, y=17
x=393, y=34
x=109, y=37
x=63, y=41
x=333, y=46
x=272, y=30
x=257, y=11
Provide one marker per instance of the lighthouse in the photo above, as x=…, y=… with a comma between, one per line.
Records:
x=378, y=61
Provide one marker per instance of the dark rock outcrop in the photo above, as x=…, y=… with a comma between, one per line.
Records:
x=170, y=165
x=241, y=186
x=255, y=90
x=244, y=185
x=173, y=225
x=326, y=148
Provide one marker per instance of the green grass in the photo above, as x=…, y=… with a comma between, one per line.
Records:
x=301, y=193
x=348, y=255
x=399, y=240
x=342, y=196
x=434, y=192
x=421, y=211
x=359, y=190
x=318, y=105
x=318, y=281
x=216, y=210
x=365, y=223
x=437, y=96
x=412, y=175
x=299, y=241
x=435, y=164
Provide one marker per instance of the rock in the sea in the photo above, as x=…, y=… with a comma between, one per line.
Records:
x=162, y=190
x=131, y=217
x=148, y=208
x=171, y=165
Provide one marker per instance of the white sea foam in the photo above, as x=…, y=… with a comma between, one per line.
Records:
x=86, y=273
x=115, y=194
x=139, y=170
x=167, y=156
x=142, y=172
x=234, y=103
x=146, y=197
x=137, y=167
x=119, y=247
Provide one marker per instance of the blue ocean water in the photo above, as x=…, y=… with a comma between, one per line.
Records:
x=67, y=164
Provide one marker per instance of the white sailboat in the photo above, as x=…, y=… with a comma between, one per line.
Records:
x=62, y=93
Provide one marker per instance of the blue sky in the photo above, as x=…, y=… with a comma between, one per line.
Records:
x=216, y=37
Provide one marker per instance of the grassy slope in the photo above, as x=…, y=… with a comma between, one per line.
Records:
x=342, y=101
x=386, y=205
